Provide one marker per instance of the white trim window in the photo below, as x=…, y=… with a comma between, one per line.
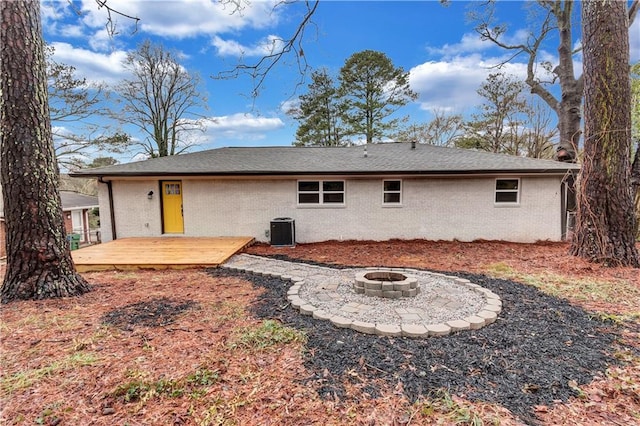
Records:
x=321, y=192
x=391, y=192
x=507, y=191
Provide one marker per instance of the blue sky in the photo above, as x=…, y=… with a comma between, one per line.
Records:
x=446, y=59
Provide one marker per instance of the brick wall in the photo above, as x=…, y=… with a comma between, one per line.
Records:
x=433, y=208
x=68, y=227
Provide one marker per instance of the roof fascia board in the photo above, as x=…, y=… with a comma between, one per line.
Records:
x=68, y=209
x=276, y=175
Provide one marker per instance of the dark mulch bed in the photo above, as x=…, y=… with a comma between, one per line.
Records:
x=151, y=313
x=540, y=348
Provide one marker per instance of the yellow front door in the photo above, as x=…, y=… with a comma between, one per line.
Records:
x=172, y=207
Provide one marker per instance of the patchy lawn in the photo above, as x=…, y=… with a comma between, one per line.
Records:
x=202, y=347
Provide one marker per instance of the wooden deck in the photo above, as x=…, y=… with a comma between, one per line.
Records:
x=158, y=253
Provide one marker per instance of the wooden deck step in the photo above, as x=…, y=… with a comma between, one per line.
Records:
x=159, y=253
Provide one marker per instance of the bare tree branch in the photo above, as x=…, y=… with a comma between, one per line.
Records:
x=633, y=11
x=111, y=25
x=259, y=70
x=556, y=20
x=162, y=99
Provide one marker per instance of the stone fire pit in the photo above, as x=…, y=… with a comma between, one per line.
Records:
x=388, y=284
x=443, y=304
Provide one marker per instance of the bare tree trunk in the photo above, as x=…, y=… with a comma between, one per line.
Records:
x=39, y=263
x=635, y=187
x=569, y=106
x=605, y=221
x=569, y=120
x=557, y=20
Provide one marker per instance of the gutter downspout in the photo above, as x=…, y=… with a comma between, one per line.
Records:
x=563, y=210
x=111, y=209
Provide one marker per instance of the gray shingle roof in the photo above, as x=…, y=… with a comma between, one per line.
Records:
x=387, y=158
x=74, y=200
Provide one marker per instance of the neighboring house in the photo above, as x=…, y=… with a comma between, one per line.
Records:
x=75, y=211
x=372, y=192
x=75, y=208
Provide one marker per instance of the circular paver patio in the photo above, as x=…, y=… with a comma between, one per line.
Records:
x=444, y=305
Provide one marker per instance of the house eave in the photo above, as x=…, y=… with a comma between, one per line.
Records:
x=71, y=208
x=257, y=174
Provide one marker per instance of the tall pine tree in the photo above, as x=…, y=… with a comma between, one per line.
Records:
x=605, y=220
x=39, y=263
x=319, y=113
x=373, y=89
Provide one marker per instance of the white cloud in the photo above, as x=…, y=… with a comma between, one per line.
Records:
x=264, y=47
x=103, y=41
x=450, y=81
x=473, y=43
x=470, y=42
x=52, y=12
x=519, y=37
x=290, y=105
x=202, y=17
x=95, y=67
x=172, y=18
x=61, y=131
x=452, y=85
x=239, y=126
x=71, y=31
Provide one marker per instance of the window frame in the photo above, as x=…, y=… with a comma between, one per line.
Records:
x=385, y=192
x=321, y=192
x=497, y=191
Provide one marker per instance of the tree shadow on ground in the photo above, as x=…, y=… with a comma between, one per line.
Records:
x=150, y=313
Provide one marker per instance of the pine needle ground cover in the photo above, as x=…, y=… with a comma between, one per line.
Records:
x=201, y=347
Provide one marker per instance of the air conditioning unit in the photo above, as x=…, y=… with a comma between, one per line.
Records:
x=283, y=231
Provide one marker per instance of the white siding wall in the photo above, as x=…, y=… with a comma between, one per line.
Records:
x=433, y=209
x=135, y=214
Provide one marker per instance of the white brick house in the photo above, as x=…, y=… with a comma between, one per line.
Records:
x=377, y=192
